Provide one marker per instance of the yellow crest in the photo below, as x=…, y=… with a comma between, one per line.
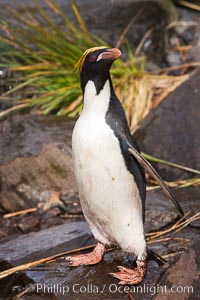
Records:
x=80, y=62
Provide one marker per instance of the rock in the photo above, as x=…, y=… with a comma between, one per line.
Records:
x=174, y=58
x=47, y=242
x=182, y=278
x=49, y=199
x=170, y=131
x=29, y=223
x=159, y=211
x=88, y=282
x=3, y=232
x=35, y=156
x=58, y=239
x=52, y=212
x=151, y=13
x=10, y=201
x=71, y=202
x=84, y=282
x=8, y=227
x=26, y=135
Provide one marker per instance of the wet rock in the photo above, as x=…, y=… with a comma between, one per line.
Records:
x=174, y=58
x=152, y=14
x=47, y=242
x=3, y=232
x=10, y=201
x=50, y=220
x=65, y=201
x=90, y=282
x=159, y=211
x=29, y=223
x=8, y=227
x=94, y=282
x=71, y=202
x=182, y=278
x=170, y=131
x=26, y=135
x=66, y=211
x=59, y=281
x=52, y=212
x=56, y=278
x=51, y=169
x=189, y=198
x=35, y=156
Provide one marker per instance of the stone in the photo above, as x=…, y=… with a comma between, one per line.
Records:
x=47, y=242
x=62, y=238
x=182, y=278
x=159, y=211
x=35, y=156
x=170, y=131
x=29, y=223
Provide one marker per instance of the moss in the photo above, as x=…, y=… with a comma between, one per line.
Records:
x=59, y=171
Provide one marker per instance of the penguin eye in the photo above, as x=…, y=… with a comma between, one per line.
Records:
x=92, y=58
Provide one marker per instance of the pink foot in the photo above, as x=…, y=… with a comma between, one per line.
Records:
x=131, y=276
x=91, y=258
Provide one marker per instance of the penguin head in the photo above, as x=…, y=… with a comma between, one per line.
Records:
x=95, y=65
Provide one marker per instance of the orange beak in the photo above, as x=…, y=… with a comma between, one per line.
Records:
x=112, y=54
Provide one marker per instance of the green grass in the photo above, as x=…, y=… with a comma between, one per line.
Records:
x=42, y=57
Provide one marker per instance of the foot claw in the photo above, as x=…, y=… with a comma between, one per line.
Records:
x=122, y=282
x=130, y=276
x=126, y=270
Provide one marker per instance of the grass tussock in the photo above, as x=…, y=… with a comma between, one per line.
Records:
x=43, y=56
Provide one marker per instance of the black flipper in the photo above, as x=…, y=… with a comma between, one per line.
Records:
x=152, y=172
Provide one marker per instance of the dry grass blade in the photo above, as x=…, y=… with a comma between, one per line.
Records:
x=15, y=108
x=79, y=18
x=41, y=261
x=179, y=225
x=164, y=85
x=182, y=24
x=140, y=94
x=53, y=6
x=145, y=37
x=19, y=213
x=172, y=254
x=189, y=5
x=24, y=292
x=177, y=183
x=182, y=66
x=176, y=239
